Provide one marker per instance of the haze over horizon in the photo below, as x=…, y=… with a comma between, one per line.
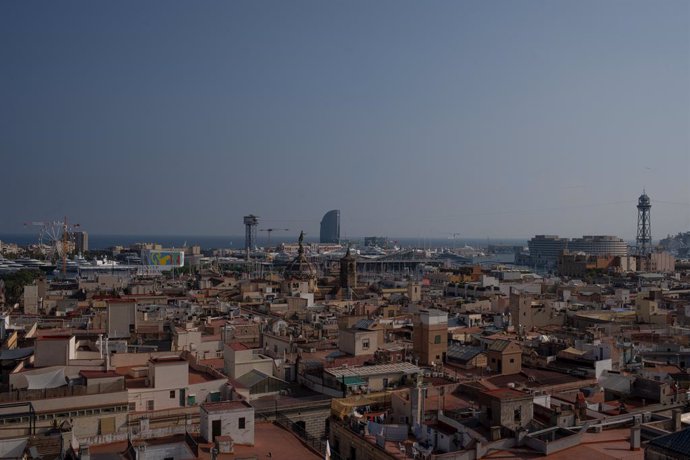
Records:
x=487, y=119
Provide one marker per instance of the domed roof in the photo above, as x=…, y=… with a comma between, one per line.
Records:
x=644, y=200
x=300, y=267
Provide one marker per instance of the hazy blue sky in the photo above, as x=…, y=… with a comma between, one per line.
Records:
x=487, y=118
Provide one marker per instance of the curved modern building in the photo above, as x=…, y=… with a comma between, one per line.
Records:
x=599, y=245
x=330, y=227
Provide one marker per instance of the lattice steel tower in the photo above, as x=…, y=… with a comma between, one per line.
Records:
x=644, y=225
x=250, y=223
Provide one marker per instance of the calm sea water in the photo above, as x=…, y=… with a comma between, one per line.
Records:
x=97, y=241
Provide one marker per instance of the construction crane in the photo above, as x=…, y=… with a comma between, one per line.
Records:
x=271, y=230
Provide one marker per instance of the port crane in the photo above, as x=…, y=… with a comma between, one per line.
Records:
x=271, y=230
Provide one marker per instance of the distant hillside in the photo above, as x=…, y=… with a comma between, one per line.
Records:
x=678, y=243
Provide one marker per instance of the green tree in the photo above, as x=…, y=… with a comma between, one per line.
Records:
x=15, y=282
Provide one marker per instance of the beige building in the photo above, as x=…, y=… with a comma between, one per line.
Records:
x=54, y=350
x=121, y=318
x=228, y=418
x=527, y=313
x=414, y=292
x=661, y=262
x=357, y=342
x=504, y=357
x=31, y=299
x=505, y=407
x=240, y=360
x=371, y=378
x=167, y=381
x=430, y=336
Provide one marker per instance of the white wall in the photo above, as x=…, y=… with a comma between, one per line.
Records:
x=178, y=451
x=229, y=425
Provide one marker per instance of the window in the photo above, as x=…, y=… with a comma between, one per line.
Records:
x=172, y=394
x=149, y=404
x=437, y=339
x=518, y=414
x=107, y=425
x=365, y=344
x=132, y=407
x=242, y=423
x=512, y=360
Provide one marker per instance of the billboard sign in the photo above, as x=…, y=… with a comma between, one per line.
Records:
x=163, y=259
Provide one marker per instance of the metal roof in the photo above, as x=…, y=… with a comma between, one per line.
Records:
x=253, y=377
x=364, y=324
x=461, y=353
x=394, y=368
x=16, y=353
x=678, y=442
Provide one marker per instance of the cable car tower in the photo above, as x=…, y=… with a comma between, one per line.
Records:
x=644, y=225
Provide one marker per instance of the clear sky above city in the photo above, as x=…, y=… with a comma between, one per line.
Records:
x=484, y=118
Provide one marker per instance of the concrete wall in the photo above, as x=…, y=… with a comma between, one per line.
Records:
x=183, y=340
x=169, y=374
x=136, y=359
x=167, y=392
x=83, y=411
x=314, y=420
x=121, y=315
x=344, y=442
x=503, y=412
x=276, y=346
x=178, y=451
x=357, y=343
x=240, y=362
x=54, y=351
x=552, y=446
x=229, y=425
x=30, y=299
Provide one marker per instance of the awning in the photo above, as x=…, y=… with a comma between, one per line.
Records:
x=16, y=353
x=353, y=381
x=46, y=380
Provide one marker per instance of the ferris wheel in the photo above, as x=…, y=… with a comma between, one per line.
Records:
x=55, y=239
